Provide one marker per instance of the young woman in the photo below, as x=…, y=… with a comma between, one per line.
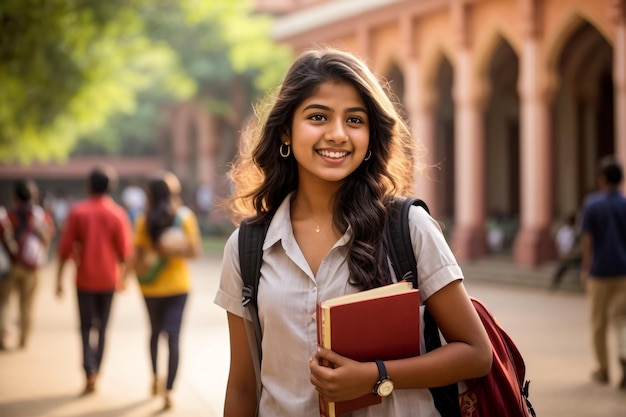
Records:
x=166, y=294
x=329, y=156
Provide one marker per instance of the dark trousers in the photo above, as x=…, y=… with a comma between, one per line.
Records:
x=94, y=309
x=166, y=315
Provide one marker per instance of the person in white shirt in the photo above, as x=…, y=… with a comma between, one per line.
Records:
x=134, y=200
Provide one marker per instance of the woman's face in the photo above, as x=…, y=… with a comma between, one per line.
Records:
x=330, y=133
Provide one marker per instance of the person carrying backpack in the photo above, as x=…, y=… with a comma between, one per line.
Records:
x=31, y=230
x=166, y=293
x=330, y=157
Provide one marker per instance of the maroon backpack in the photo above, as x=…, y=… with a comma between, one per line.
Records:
x=503, y=392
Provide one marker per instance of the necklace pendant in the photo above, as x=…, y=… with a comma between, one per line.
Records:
x=317, y=228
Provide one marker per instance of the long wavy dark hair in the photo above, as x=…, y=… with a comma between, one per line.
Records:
x=263, y=179
x=161, y=211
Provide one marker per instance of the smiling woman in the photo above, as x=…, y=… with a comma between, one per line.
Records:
x=320, y=174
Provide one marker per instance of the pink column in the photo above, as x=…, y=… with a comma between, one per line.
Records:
x=421, y=116
x=469, y=237
x=533, y=243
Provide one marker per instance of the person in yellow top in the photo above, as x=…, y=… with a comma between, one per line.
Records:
x=167, y=231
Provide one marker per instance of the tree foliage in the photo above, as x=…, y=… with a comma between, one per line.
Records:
x=98, y=70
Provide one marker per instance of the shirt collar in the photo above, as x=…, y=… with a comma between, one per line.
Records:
x=280, y=226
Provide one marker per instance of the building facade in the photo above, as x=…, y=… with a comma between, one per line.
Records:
x=515, y=101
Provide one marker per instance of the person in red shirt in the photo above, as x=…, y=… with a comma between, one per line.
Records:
x=25, y=218
x=97, y=237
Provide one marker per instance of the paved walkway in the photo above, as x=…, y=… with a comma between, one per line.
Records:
x=550, y=329
x=45, y=379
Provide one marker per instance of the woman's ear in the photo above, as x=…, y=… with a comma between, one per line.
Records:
x=286, y=137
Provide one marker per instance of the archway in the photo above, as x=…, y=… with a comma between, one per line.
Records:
x=396, y=83
x=503, y=145
x=584, y=115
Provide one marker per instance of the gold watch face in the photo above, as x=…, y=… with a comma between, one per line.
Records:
x=385, y=388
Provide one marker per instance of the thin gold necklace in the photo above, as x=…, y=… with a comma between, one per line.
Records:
x=317, y=226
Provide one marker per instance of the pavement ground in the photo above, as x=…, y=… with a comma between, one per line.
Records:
x=45, y=379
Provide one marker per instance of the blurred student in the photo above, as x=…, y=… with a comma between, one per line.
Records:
x=603, y=270
x=568, y=248
x=169, y=231
x=134, y=200
x=97, y=237
x=27, y=231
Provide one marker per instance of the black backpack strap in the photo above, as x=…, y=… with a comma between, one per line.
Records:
x=399, y=238
x=404, y=264
x=251, y=239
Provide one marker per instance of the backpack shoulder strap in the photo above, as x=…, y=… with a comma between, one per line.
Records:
x=399, y=238
x=251, y=239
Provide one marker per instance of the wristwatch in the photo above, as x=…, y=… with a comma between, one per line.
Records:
x=384, y=385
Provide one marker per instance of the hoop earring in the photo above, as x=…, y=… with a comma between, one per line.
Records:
x=368, y=155
x=285, y=154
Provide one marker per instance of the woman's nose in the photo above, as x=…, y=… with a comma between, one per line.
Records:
x=337, y=135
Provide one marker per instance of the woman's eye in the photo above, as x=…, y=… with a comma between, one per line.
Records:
x=318, y=117
x=354, y=120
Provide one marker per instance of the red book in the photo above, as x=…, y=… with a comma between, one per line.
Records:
x=382, y=323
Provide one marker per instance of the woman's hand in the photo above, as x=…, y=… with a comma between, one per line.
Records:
x=338, y=378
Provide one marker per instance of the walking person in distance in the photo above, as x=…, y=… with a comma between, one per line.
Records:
x=26, y=231
x=168, y=233
x=603, y=270
x=97, y=238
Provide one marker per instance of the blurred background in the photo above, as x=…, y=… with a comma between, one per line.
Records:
x=514, y=101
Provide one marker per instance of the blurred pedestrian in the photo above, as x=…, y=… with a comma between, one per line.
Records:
x=61, y=204
x=604, y=266
x=27, y=234
x=170, y=230
x=204, y=200
x=97, y=237
x=134, y=199
x=568, y=247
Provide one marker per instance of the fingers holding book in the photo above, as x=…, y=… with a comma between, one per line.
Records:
x=337, y=378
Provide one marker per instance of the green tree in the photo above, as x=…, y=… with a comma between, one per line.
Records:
x=223, y=47
x=67, y=65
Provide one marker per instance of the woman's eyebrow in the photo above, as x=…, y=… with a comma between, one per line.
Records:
x=326, y=108
x=317, y=106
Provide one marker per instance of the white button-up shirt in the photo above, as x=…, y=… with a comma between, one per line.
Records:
x=287, y=298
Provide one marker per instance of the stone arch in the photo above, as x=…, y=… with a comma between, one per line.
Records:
x=486, y=47
x=583, y=107
x=502, y=138
x=444, y=137
x=395, y=77
x=430, y=65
